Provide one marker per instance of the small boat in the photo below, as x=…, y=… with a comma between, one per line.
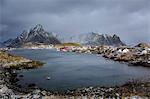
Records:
x=48, y=78
x=64, y=49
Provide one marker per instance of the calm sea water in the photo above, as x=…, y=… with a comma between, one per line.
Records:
x=72, y=70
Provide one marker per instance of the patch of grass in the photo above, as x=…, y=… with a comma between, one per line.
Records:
x=27, y=65
x=69, y=44
x=17, y=62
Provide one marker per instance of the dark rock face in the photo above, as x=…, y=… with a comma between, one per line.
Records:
x=33, y=36
x=143, y=45
x=7, y=43
x=97, y=39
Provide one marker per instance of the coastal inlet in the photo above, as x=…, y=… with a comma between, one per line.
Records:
x=68, y=70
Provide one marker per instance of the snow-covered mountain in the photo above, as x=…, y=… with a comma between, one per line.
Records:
x=33, y=36
x=39, y=35
x=93, y=39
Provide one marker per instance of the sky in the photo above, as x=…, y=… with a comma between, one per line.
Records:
x=129, y=19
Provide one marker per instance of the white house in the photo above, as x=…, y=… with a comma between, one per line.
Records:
x=144, y=52
x=119, y=51
x=126, y=50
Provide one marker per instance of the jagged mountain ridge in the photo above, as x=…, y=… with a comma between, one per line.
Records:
x=96, y=39
x=39, y=35
x=7, y=42
x=33, y=36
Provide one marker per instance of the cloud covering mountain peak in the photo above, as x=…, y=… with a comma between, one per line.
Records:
x=126, y=18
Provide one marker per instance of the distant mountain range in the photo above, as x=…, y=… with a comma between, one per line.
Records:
x=38, y=35
x=96, y=39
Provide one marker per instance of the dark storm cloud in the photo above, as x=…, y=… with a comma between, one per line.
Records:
x=127, y=18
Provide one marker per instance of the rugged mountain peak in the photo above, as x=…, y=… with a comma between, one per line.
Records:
x=107, y=35
x=34, y=36
x=38, y=28
x=97, y=39
x=115, y=36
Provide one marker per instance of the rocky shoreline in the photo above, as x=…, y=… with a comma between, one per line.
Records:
x=17, y=62
x=9, y=89
x=135, y=56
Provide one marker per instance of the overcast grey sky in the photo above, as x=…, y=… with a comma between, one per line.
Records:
x=130, y=19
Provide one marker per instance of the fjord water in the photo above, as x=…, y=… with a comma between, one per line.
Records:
x=73, y=70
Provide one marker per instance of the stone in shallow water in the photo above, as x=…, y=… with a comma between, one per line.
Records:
x=21, y=76
x=32, y=85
